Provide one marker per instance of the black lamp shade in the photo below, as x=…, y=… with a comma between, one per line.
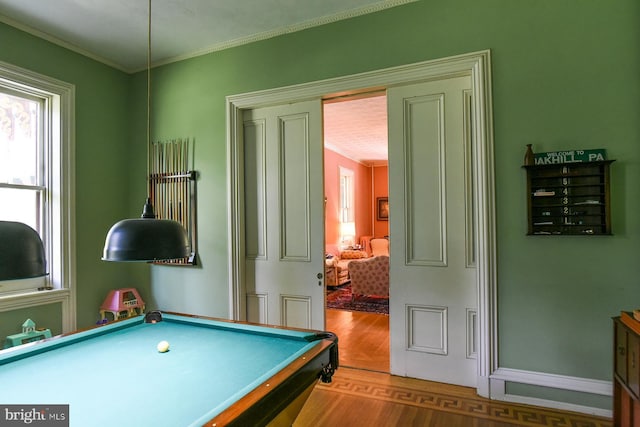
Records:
x=146, y=239
x=21, y=252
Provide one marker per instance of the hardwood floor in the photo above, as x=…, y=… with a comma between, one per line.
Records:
x=363, y=338
x=357, y=397
x=364, y=397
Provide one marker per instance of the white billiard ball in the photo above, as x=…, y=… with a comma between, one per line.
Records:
x=163, y=346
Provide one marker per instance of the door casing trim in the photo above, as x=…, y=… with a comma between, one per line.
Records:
x=475, y=64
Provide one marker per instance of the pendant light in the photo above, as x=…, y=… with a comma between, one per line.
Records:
x=146, y=238
x=21, y=252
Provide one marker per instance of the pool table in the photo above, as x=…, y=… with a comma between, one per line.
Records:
x=215, y=373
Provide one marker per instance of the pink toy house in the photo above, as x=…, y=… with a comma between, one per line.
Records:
x=122, y=303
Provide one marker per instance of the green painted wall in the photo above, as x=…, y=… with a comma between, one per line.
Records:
x=45, y=316
x=103, y=166
x=566, y=75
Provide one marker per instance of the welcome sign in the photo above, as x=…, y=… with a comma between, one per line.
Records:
x=571, y=156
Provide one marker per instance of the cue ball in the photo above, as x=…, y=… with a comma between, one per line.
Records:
x=163, y=346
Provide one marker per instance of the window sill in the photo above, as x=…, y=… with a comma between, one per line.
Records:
x=20, y=300
x=16, y=301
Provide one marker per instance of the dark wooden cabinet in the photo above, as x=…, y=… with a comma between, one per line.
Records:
x=569, y=199
x=626, y=377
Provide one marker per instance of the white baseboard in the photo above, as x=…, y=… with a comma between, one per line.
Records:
x=585, y=385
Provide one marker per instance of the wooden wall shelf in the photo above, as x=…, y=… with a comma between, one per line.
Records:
x=568, y=199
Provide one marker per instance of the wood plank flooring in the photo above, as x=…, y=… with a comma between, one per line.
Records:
x=363, y=338
x=357, y=398
x=364, y=397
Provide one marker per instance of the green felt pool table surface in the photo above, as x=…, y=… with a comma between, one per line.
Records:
x=114, y=374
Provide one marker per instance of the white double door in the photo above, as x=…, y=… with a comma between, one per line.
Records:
x=433, y=276
x=284, y=215
x=433, y=283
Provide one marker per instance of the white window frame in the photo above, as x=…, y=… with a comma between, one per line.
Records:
x=60, y=230
x=347, y=204
x=347, y=213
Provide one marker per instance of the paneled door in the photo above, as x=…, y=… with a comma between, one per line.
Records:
x=284, y=216
x=433, y=275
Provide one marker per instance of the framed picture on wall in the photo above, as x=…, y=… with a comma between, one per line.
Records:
x=382, y=211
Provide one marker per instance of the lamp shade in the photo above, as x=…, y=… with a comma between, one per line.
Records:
x=146, y=239
x=348, y=229
x=21, y=252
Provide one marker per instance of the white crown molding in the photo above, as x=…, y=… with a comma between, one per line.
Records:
x=316, y=22
x=372, y=8
x=55, y=40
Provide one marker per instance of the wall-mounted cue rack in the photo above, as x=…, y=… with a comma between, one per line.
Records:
x=569, y=199
x=172, y=188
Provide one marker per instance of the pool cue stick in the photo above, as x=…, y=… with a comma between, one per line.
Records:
x=170, y=180
x=182, y=187
x=164, y=167
x=176, y=182
x=177, y=185
x=157, y=174
x=183, y=169
x=165, y=172
x=152, y=172
x=174, y=205
x=185, y=185
x=158, y=179
x=158, y=187
x=169, y=192
x=169, y=170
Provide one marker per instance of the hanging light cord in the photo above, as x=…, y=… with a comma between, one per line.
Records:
x=147, y=210
x=148, y=89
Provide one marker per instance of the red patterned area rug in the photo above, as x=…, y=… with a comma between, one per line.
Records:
x=340, y=298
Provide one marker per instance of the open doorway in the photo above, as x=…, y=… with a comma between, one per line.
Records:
x=408, y=314
x=357, y=228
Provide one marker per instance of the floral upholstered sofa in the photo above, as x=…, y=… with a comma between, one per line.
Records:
x=337, y=264
x=370, y=276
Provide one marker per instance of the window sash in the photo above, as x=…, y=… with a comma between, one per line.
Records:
x=347, y=195
x=26, y=198
x=58, y=216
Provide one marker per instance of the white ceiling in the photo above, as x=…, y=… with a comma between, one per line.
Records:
x=115, y=32
x=358, y=128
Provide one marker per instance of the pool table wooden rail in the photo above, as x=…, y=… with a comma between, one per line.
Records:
x=283, y=394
